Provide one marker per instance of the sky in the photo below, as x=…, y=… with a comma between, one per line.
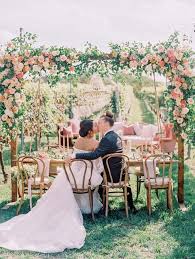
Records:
x=72, y=23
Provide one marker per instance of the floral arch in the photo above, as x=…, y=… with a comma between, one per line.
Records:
x=20, y=61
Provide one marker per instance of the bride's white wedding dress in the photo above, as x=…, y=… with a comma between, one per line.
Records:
x=96, y=180
x=54, y=224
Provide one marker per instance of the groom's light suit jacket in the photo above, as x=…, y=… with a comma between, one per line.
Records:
x=110, y=143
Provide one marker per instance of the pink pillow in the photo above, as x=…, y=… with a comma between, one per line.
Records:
x=128, y=130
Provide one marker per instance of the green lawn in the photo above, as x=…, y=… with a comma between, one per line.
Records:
x=164, y=236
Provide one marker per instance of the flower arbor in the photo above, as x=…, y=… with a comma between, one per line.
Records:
x=20, y=62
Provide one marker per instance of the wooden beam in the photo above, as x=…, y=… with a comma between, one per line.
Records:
x=13, y=146
x=180, y=193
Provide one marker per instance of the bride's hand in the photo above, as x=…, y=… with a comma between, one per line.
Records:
x=68, y=160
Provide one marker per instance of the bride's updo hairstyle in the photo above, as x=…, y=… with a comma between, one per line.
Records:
x=85, y=127
x=108, y=117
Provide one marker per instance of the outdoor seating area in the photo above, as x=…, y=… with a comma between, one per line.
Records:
x=97, y=148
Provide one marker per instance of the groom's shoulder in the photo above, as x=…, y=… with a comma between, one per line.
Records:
x=111, y=135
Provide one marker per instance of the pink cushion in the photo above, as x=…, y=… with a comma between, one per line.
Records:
x=168, y=128
x=149, y=131
x=128, y=130
x=168, y=146
x=75, y=124
x=67, y=131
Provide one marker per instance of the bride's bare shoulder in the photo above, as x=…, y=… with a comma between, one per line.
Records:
x=86, y=144
x=95, y=143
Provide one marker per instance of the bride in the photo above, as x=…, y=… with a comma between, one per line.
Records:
x=87, y=143
x=56, y=222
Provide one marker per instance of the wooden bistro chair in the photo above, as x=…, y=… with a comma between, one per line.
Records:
x=31, y=179
x=109, y=186
x=143, y=150
x=86, y=169
x=65, y=140
x=158, y=176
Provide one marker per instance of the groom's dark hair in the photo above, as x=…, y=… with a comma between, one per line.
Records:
x=108, y=117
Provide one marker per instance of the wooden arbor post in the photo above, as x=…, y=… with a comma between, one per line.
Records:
x=180, y=193
x=13, y=146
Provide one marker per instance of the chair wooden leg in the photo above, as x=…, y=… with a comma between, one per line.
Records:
x=149, y=206
x=104, y=197
x=126, y=202
x=138, y=187
x=91, y=203
x=157, y=193
x=20, y=205
x=170, y=198
x=106, y=210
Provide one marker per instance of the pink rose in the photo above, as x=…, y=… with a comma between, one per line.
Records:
x=190, y=101
x=12, y=91
x=20, y=75
x=63, y=58
x=124, y=54
x=144, y=61
x=183, y=103
x=72, y=69
x=133, y=64
x=161, y=63
x=41, y=59
x=4, y=117
x=184, y=135
x=161, y=49
x=179, y=120
x=185, y=110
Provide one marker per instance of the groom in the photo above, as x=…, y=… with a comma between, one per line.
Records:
x=110, y=143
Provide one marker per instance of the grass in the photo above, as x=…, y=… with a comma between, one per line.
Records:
x=165, y=235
